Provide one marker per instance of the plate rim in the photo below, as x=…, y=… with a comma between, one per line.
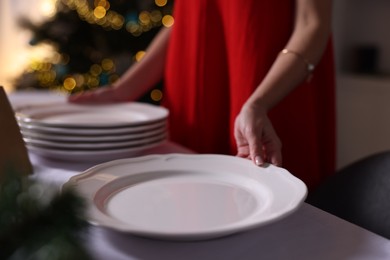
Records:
x=74, y=146
x=94, y=156
x=92, y=131
x=159, y=113
x=92, y=138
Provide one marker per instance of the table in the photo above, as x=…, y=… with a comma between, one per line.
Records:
x=309, y=233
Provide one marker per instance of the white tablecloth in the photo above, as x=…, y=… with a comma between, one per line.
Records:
x=309, y=233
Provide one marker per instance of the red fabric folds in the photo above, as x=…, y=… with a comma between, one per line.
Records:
x=219, y=52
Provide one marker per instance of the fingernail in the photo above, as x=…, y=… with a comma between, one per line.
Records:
x=258, y=160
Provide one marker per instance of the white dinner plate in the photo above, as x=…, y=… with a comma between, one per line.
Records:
x=22, y=98
x=96, y=156
x=91, y=138
x=90, y=131
x=187, y=197
x=68, y=115
x=95, y=146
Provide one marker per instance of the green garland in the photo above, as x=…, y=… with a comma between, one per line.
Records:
x=38, y=222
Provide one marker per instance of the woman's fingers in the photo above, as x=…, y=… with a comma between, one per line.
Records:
x=101, y=95
x=256, y=138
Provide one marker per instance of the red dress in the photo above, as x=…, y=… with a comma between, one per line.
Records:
x=219, y=52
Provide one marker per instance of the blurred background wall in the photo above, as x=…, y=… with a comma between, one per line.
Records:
x=362, y=45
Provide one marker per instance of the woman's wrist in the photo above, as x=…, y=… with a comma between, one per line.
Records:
x=255, y=106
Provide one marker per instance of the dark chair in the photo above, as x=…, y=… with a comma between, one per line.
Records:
x=359, y=193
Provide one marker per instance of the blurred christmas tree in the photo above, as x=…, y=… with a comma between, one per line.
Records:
x=38, y=222
x=94, y=42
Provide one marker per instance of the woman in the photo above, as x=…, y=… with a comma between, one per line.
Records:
x=231, y=68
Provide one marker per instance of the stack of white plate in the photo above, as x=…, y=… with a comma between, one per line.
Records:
x=91, y=132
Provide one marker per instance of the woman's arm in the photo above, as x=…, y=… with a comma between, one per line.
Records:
x=254, y=133
x=137, y=80
x=309, y=38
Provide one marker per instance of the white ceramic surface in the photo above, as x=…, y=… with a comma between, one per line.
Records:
x=74, y=155
x=21, y=98
x=69, y=139
x=187, y=197
x=95, y=146
x=40, y=129
x=67, y=115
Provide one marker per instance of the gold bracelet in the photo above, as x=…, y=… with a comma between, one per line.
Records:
x=309, y=66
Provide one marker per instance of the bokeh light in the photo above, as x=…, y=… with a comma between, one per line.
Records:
x=139, y=55
x=144, y=17
x=102, y=3
x=168, y=20
x=156, y=95
x=95, y=70
x=69, y=83
x=160, y=3
x=156, y=16
x=107, y=64
x=99, y=12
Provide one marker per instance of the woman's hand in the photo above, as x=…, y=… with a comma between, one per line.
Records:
x=108, y=94
x=255, y=136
